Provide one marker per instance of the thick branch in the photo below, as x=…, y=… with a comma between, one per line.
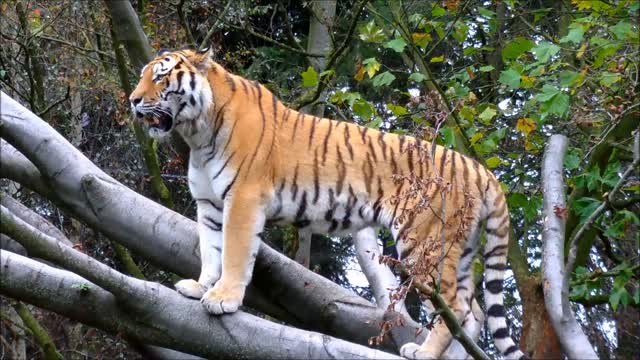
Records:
x=16, y=167
x=574, y=342
x=169, y=240
x=164, y=317
x=130, y=32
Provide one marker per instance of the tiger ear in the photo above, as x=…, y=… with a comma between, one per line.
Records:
x=162, y=51
x=201, y=60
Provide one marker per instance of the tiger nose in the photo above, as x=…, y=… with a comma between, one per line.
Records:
x=135, y=101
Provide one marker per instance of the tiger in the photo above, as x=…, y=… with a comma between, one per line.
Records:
x=254, y=161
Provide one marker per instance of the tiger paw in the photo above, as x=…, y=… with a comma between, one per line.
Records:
x=219, y=300
x=414, y=351
x=190, y=288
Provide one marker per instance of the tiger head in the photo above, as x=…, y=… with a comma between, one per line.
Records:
x=173, y=90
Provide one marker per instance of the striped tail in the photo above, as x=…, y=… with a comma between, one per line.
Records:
x=495, y=258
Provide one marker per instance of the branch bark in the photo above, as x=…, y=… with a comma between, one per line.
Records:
x=169, y=240
x=163, y=317
x=574, y=342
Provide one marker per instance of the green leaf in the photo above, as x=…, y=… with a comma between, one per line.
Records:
x=363, y=109
x=449, y=135
x=437, y=59
x=544, y=51
x=517, y=200
x=397, y=44
x=385, y=78
x=575, y=35
x=493, y=162
x=568, y=78
x=486, y=68
x=487, y=115
x=607, y=79
x=622, y=30
x=371, y=33
x=572, y=161
x=486, y=12
x=511, y=78
x=371, y=66
x=584, y=207
x=553, y=100
x=417, y=77
x=517, y=47
x=618, y=296
x=438, y=11
x=397, y=110
x=309, y=77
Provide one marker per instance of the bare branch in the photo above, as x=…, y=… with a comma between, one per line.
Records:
x=574, y=342
x=108, y=206
x=227, y=336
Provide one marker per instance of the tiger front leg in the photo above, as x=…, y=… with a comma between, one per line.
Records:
x=242, y=226
x=210, y=234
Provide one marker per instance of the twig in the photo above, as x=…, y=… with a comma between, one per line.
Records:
x=204, y=42
x=64, y=42
x=313, y=95
x=65, y=98
x=449, y=318
x=185, y=23
x=573, y=244
x=268, y=39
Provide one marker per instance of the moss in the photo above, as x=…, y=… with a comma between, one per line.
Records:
x=39, y=333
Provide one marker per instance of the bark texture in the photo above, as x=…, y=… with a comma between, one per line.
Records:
x=574, y=342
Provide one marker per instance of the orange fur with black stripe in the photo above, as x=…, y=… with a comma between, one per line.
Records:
x=254, y=160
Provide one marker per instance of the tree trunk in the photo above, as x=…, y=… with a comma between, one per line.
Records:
x=538, y=339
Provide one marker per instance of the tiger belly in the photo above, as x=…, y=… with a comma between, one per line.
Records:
x=321, y=210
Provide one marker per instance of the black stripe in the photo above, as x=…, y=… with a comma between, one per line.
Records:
x=226, y=190
x=294, y=184
x=443, y=161
x=223, y=166
x=192, y=82
x=466, y=252
x=497, y=266
x=496, y=310
x=244, y=86
x=313, y=130
x=316, y=177
x=494, y=286
x=401, y=139
x=342, y=171
x=302, y=208
x=511, y=349
x=373, y=151
x=230, y=81
x=326, y=142
x=364, y=134
x=295, y=126
x=211, y=223
x=383, y=145
x=501, y=333
x=462, y=278
x=213, y=205
x=264, y=120
x=347, y=141
x=499, y=250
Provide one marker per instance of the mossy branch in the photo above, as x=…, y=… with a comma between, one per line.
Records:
x=39, y=332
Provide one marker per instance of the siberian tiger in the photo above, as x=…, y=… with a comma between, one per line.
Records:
x=254, y=160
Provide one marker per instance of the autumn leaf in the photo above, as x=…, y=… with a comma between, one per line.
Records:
x=525, y=126
x=359, y=72
x=561, y=212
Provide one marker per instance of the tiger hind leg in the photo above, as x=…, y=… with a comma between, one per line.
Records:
x=440, y=337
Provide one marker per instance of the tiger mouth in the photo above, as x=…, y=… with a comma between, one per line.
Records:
x=160, y=121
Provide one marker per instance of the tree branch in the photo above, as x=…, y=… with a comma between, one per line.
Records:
x=169, y=240
x=574, y=342
x=608, y=199
x=165, y=318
